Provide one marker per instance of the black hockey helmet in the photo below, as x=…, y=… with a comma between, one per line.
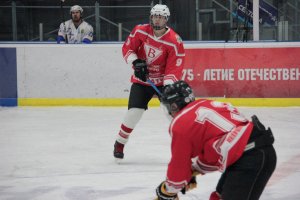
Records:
x=176, y=96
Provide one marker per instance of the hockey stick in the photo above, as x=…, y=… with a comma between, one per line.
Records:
x=63, y=18
x=154, y=87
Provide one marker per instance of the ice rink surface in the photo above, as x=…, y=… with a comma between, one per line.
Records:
x=65, y=153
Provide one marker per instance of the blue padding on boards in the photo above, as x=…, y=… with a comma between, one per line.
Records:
x=8, y=77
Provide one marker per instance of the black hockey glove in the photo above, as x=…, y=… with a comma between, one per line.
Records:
x=140, y=69
x=191, y=185
x=162, y=194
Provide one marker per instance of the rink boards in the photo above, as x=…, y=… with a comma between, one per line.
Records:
x=245, y=74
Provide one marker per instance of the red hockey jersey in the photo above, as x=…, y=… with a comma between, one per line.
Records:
x=164, y=55
x=207, y=135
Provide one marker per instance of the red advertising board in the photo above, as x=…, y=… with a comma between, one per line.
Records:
x=243, y=72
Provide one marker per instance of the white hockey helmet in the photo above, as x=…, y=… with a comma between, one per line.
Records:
x=76, y=8
x=160, y=9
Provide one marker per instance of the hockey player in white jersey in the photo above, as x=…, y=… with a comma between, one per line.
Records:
x=75, y=30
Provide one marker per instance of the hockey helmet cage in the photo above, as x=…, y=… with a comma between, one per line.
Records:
x=176, y=96
x=76, y=8
x=160, y=9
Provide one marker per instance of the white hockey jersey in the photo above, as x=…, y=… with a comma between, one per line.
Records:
x=76, y=35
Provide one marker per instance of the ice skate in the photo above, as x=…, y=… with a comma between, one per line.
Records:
x=118, y=151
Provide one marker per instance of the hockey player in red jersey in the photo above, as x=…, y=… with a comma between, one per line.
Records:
x=156, y=53
x=210, y=136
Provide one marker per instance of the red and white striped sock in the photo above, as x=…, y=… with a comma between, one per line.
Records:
x=132, y=117
x=124, y=134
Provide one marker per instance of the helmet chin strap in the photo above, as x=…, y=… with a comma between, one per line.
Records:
x=157, y=27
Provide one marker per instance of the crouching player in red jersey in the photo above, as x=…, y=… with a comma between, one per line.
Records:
x=208, y=136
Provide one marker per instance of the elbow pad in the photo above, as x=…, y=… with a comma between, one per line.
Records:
x=86, y=41
x=59, y=39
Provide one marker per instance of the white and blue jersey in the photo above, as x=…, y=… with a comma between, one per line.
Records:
x=82, y=34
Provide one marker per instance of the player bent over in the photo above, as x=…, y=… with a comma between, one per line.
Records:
x=208, y=136
x=156, y=53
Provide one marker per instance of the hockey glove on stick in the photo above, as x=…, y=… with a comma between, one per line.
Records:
x=162, y=194
x=191, y=185
x=140, y=69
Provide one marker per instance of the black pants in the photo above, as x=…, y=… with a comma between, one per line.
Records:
x=247, y=178
x=140, y=95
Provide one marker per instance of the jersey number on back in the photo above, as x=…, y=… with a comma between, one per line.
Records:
x=218, y=120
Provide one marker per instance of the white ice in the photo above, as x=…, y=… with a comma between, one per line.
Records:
x=65, y=153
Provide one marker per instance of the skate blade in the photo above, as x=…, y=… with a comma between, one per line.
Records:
x=118, y=161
